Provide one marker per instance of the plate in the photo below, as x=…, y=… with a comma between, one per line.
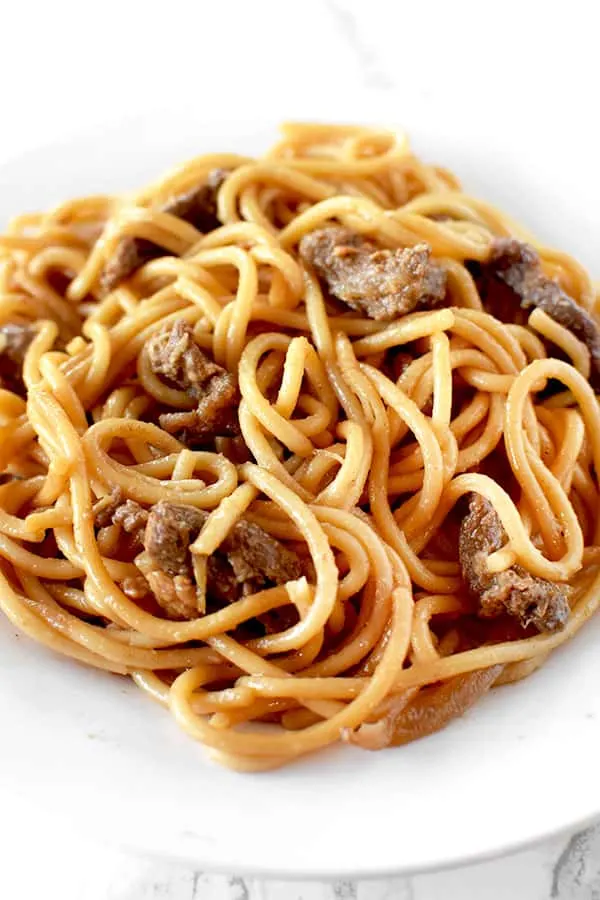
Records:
x=89, y=747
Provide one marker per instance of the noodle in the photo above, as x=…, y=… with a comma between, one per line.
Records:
x=317, y=513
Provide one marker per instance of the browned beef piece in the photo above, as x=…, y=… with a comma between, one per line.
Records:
x=131, y=517
x=197, y=206
x=15, y=339
x=531, y=600
x=381, y=283
x=176, y=357
x=248, y=559
x=116, y=510
x=257, y=558
x=170, y=531
x=517, y=266
x=105, y=508
x=214, y=417
x=167, y=562
x=221, y=582
x=135, y=587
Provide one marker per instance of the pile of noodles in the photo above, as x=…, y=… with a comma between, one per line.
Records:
x=360, y=466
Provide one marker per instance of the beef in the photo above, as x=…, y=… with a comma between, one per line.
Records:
x=517, y=266
x=128, y=514
x=135, y=587
x=106, y=507
x=258, y=559
x=15, y=339
x=214, y=417
x=221, y=582
x=248, y=560
x=531, y=600
x=176, y=595
x=197, y=206
x=175, y=356
x=169, y=532
x=382, y=284
x=115, y=509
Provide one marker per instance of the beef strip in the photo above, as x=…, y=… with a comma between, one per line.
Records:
x=531, y=600
x=247, y=560
x=197, y=206
x=517, y=266
x=15, y=339
x=175, y=356
x=382, y=284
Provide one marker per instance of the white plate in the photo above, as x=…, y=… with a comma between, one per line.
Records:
x=522, y=765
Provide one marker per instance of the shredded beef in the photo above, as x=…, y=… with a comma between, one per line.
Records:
x=175, y=356
x=517, y=266
x=381, y=283
x=531, y=600
x=248, y=560
x=15, y=339
x=197, y=206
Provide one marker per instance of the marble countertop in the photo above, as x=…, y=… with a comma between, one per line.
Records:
x=66, y=67
x=64, y=866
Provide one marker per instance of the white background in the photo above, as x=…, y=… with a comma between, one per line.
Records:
x=72, y=66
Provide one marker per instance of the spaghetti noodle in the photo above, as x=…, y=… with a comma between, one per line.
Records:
x=305, y=445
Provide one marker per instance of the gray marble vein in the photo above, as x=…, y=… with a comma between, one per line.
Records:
x=566, y=868
x=239, y=889
x=576, y=874
x=344, y=890
x=195, y=885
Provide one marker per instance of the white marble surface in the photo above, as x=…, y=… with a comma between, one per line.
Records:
x=36, y=865
x=67, y=66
